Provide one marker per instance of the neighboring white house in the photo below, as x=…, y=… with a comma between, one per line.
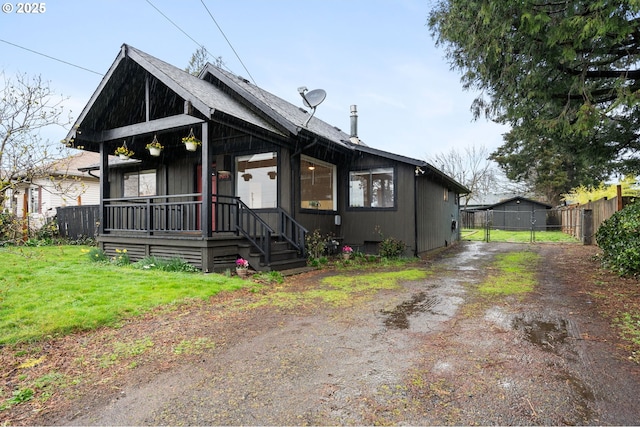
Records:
x=63, y=185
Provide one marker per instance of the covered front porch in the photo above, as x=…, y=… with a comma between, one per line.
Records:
x=209, y=235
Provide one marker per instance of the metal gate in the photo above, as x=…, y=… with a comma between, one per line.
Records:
x=531, y=221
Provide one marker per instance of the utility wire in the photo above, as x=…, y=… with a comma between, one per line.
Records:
x=228, y=42
x=176, y=25
x=50, y=57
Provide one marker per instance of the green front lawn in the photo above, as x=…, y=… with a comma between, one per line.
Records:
x=53, y=290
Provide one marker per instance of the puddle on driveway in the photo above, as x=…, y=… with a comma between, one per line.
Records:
x=544, y=333
x=398, y=318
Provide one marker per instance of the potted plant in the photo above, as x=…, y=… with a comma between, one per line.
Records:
x=242, y=267
x=154, y=147
x=347, y=251
x=123, y=152
x=191, y=142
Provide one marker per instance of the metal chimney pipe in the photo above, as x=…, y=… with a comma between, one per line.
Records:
x=354, y=121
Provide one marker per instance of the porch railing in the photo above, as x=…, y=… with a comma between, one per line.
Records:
x=293, y=232
x=254, y=229
x=170, y=213
x=181, y=213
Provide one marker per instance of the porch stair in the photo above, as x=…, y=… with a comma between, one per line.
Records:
x=282, y=257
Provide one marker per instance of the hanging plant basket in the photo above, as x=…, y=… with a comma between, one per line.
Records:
x=191, y=142
x=154, y=147
x=123, y=151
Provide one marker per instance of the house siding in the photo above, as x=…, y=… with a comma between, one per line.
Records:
x=434, y=215
x=365, y=228
x=71, y=193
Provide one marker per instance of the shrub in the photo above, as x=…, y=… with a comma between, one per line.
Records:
x=49, y=230
x=391, y=248
x=619, y=239
x=316, y=244
x=10, y=228
x=97, y=255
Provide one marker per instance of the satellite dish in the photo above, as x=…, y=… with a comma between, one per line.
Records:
x=314, y=98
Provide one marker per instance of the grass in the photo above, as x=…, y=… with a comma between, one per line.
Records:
x=54, y=290
x=511, y=273
x=342, y=290
x=518, y=236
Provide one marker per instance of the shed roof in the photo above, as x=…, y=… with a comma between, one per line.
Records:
x=518, y=199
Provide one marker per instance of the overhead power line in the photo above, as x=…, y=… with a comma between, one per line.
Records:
x=50, y=57
x=176, y=25
x=228, y=42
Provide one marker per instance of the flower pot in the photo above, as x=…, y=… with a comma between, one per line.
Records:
x=346, y=255
x=123, y=157
x=191, y=146
x=154, y=151
x=242, y=272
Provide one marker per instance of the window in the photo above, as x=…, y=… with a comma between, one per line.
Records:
x=139, y=184
x=34, y=200
x=317, y=185
x=372, y=188
x=257, y=180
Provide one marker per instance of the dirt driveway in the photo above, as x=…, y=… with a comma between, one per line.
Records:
x=429, y=352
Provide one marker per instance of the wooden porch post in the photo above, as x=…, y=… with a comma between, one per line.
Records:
x=207, y=188
x=104, y=185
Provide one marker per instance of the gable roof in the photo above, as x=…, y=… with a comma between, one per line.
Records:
x=73, y=165
x=205, y=98
x=218, y=93
x=288, y=115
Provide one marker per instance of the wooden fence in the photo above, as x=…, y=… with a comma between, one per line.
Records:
x=573, y=216
x=581, y=221
x=77, y=222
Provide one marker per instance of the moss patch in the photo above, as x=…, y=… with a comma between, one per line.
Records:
x=341, y=290
x=511, y=273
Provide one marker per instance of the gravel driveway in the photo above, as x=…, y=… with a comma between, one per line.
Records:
x=430, y=352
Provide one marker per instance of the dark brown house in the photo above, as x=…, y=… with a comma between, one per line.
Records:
x=265, y=175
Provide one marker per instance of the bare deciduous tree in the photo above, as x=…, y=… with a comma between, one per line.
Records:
x=27, y=106
x=470, y=167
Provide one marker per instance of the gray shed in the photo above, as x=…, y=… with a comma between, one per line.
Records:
x=519, y=213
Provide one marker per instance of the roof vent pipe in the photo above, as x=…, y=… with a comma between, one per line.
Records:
x=354, y=125
x=354, y=121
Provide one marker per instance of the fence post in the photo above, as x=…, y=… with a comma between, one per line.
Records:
x=587, y=226
x=487, y=227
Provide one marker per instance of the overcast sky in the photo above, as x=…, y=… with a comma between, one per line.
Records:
x=376, y=54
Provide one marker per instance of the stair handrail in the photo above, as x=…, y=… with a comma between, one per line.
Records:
x=258, y=233
x=293, y=232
